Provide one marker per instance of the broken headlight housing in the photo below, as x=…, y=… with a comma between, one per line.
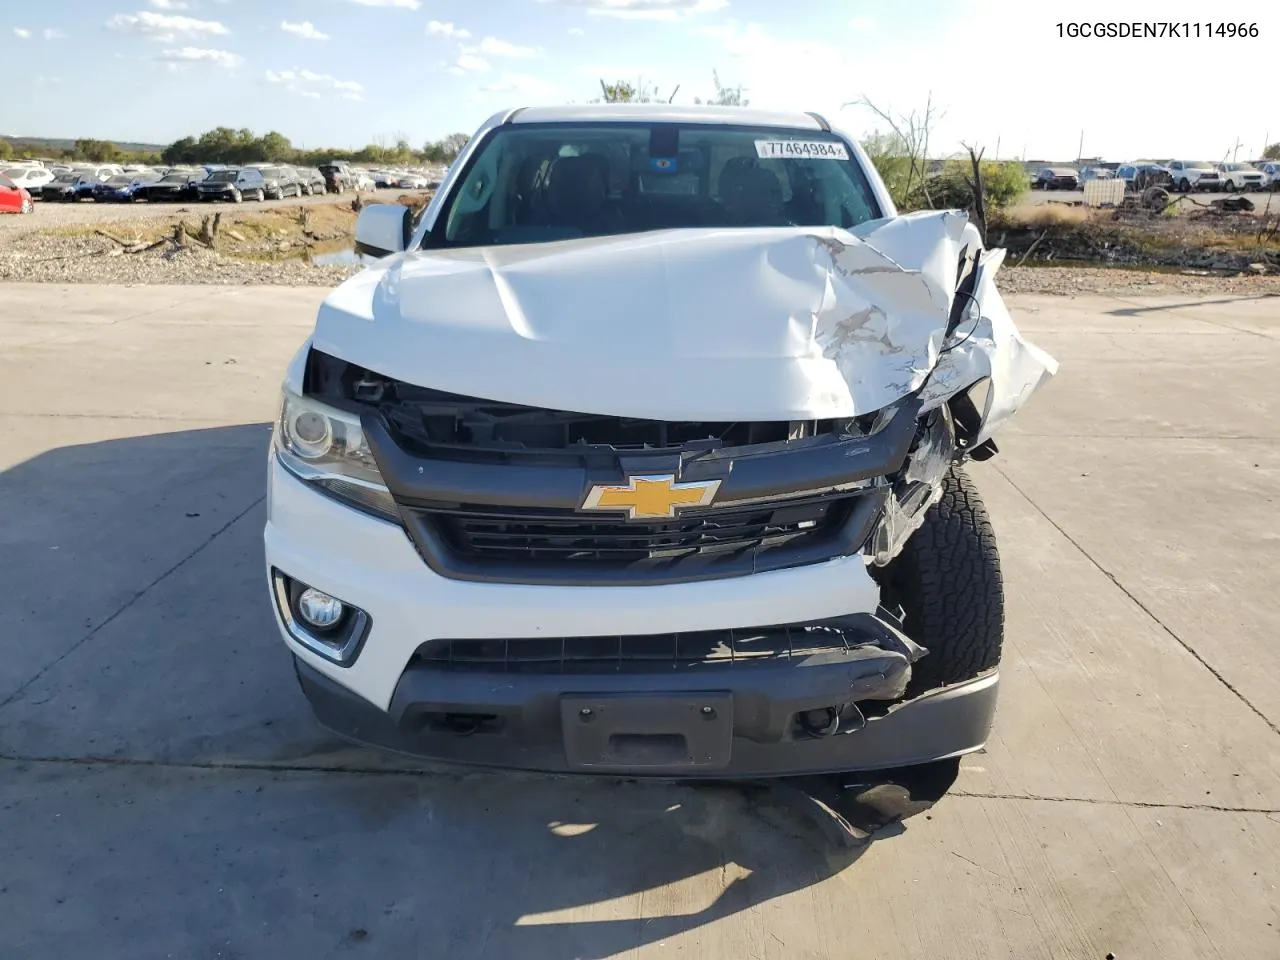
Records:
x=325, y=447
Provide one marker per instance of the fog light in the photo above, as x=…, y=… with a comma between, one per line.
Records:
x=322, y=623
x=318, y=609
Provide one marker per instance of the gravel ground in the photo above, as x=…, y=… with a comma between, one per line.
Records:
x=1070, y=281
x=99, y=260
x=88, y=212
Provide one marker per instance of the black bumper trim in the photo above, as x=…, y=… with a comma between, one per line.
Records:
x=522, y=725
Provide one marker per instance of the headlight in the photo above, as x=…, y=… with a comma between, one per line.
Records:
x=325, y=447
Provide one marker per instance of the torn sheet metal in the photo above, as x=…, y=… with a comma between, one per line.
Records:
x=789, y=323
x=918, y=489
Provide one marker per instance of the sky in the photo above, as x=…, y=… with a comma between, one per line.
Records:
x=344, y=73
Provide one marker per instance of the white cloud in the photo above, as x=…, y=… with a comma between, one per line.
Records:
x=402, y=4
x=469, y=61
x=51, y=33
x=576, y=31
x=171, y=4
x=447, y=30
x=502, y=48
x=21, y=34
x=308, y=83
x=763, y=45
x=164, y=28
x=306, y=29
x=665, y=10
x=520, y=83
x=184, y=55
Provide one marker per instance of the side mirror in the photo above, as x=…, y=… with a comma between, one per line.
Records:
x=383, y=229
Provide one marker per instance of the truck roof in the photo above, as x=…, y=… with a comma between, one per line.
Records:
x=668, y=113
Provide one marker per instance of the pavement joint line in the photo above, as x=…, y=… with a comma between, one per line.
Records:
x=126, y=605
x=252, y=766
x=1141, y=436
x=123, y=416
x=1140, y=605
x=1103, y=801
x=77, y=327
x=1139, y=307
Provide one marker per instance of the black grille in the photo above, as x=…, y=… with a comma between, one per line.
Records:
x=490, y=534
x=640, y=654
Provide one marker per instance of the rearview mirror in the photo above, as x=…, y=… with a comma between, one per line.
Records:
x=383, y=229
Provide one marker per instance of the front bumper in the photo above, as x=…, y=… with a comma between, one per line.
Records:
x=623, y=725
x=388, y=698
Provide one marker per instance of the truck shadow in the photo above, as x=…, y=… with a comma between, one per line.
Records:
x=162, y=544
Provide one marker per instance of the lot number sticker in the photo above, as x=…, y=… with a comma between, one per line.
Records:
x=800, y=150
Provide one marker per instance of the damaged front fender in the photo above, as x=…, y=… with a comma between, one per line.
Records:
x=936, y=339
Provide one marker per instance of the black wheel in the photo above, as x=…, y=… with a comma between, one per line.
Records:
x=948, y=583
x=237, y=196
x=1184, y=185
x=1231, y=187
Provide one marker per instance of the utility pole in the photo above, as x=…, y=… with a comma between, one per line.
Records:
x=1080, y=149
x=1235, y=150
x=997, y=149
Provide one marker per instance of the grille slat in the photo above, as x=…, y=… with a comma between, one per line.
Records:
x=639, y=653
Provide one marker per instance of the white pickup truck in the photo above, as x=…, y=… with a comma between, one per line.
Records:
x=640, y=452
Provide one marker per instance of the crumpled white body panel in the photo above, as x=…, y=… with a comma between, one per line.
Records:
x=789, y=323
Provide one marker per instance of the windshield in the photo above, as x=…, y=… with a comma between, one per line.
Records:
x=1238, y=166
x=176, y=178
x=222, y=176
x=540, y=182
x=120, y=181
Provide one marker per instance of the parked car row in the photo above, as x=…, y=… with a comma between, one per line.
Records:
x=256, y=181
x=1183, y=176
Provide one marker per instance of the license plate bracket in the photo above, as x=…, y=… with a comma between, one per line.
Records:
x=686, y=731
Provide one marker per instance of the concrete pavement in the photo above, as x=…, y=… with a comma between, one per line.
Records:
x=164, y=791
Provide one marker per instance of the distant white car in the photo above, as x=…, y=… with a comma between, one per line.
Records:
x=1191, y=175
x=363, y=180
x=1244, y=177
x=31, y=179
x=412, y=181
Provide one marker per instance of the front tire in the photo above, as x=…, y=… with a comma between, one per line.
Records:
x=1184, y=185
x=948, y=582
x=237, y=196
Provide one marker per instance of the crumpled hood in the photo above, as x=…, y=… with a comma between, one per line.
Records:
x=720, y=325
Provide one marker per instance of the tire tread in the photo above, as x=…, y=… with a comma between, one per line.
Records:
x=949, y=583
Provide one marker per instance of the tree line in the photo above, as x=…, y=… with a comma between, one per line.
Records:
x=225, y=145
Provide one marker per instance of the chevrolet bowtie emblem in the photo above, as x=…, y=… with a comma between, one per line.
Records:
x=651, y=498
